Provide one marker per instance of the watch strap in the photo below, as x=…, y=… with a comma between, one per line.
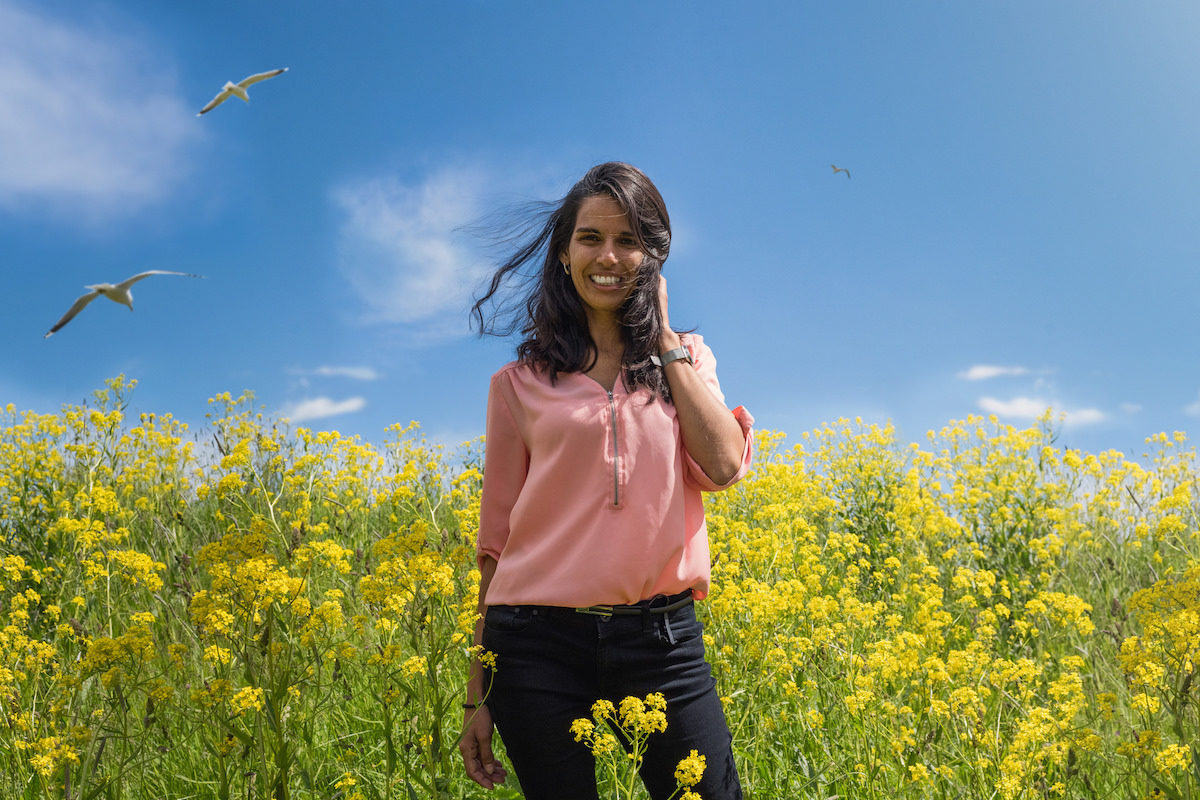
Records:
x=678, y=354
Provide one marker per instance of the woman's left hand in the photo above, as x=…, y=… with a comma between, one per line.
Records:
x=710, y=433
x=668, y=339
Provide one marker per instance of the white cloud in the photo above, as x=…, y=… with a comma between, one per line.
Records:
x=321, y=407
x=1131, y=408
x=1030, y=408
x=983, y=372
x=1193, y=409
x=401, y=253
x=356, y=373
x=1018, y=407
x=91, y=123
x=1076, y=417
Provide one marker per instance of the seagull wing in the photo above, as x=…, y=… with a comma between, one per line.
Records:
x=262, y=76
x=78, y=306
x=221, y=97
x=125, y=284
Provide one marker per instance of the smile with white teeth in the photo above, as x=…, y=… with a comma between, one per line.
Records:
x=605, y=280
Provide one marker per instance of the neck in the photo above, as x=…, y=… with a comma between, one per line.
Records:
x=606, y=334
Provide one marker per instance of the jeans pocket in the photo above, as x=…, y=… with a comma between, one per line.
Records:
x=508, y=619
x=679, y=628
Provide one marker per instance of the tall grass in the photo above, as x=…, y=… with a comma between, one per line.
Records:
x=254, y=611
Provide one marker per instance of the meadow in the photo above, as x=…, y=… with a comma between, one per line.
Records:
x=253, y=610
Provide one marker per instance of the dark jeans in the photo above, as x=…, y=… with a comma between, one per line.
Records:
x=553, y=663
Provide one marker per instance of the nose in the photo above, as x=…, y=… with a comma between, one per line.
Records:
x=608, y=253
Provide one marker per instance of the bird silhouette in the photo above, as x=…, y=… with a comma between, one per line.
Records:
x=238, y=89
x=837, y=169
x=118, y=293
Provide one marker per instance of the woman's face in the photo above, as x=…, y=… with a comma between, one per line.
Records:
x=604, y=256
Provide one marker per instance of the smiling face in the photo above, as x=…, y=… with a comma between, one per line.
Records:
x=604, y=256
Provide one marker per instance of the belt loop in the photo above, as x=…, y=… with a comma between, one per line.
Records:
x=666, y=619
x=648, y=607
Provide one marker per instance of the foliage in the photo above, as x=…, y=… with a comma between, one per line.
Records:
x=268, y=612
x=618, y=737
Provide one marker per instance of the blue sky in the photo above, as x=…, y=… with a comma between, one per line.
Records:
x=1021, y=227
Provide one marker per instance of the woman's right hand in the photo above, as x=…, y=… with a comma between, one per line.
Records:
x=476, y=748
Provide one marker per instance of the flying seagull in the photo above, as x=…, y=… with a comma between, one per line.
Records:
x=837, y=169
x=239, y=89
x=118, y=293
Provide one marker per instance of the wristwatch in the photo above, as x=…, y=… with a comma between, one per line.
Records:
x=679, y=353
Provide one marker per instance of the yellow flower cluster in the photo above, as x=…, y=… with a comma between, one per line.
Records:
x=50, y=753
x=639, y=716
x=926, y=609
x=626, y=729
x=629, y=724
x=268, y=610
x=161, y=600
x=246, y=699
x=690, y=770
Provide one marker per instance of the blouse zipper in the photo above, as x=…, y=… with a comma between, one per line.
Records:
x=612, y=408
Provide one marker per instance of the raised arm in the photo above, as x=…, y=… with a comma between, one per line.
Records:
x=711, y=434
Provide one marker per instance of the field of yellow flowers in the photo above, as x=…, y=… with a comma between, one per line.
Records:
x=255, y=611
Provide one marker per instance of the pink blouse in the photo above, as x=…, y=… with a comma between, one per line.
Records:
x=589, y=496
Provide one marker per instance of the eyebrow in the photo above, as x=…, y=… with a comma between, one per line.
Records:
x=598, y=231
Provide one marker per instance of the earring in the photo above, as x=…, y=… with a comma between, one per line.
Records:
x=567, y=268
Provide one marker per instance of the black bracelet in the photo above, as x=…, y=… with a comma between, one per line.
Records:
x=470, y=706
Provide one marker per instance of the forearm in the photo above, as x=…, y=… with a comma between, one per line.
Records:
x=476, y=682
x=475, y=743
x=710, y=433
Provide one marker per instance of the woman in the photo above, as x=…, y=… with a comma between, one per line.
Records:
x=592, y=545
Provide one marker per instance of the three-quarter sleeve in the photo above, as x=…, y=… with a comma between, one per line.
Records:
x=589, y=496
x=705, y=364
x=505, y=465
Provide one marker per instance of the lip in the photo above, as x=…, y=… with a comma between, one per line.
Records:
x=621, y=281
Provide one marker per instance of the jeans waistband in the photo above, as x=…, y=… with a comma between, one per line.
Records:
x=659, y=604
x=658, y=610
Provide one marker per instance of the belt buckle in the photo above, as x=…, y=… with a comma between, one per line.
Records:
x=596, y=611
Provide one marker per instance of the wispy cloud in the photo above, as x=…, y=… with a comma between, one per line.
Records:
x=1018, y=407
x=91, y=123
x=1077, y=417
x=1131, y=408
x=1193, y=409
x=400, y=250
x=355, y=373
x=321, y=407
x=1030, y=408
x=983, y=372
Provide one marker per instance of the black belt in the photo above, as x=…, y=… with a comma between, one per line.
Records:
x=655, y=605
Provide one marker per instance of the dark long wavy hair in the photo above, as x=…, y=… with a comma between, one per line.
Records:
x=548, y=309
